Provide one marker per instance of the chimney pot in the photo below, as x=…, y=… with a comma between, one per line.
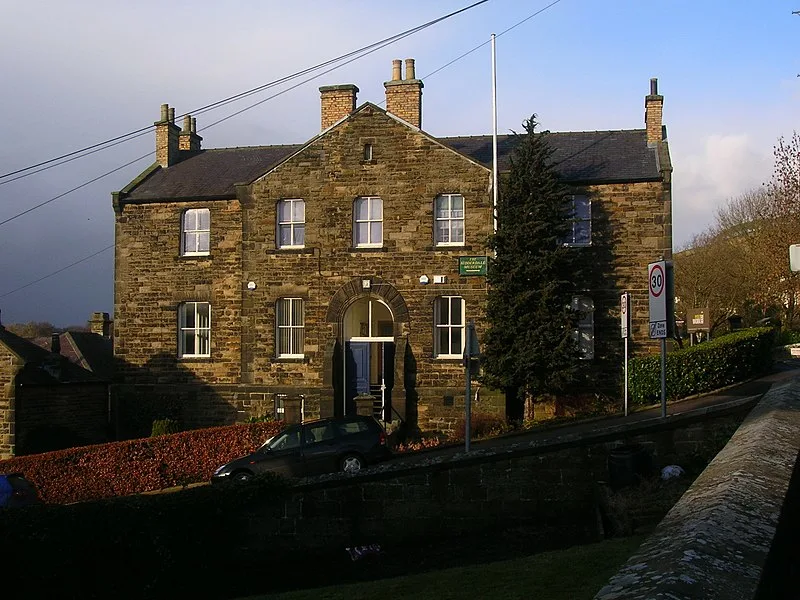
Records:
x=194, y=125
x=396, y=69
x=653, y=114
x=172, y=115
x=55, y=343
x=187, y=124
x=164, y=112
x=410, y=71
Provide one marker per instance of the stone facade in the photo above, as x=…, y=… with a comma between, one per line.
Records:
x=382, y=295
x=10, y=365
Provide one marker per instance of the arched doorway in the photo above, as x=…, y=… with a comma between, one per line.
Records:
x=369, y=346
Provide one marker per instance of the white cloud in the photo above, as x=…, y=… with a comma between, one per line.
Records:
x=724, y=167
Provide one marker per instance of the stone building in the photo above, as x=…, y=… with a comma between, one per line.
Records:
x=54, y=393
x=251, y=279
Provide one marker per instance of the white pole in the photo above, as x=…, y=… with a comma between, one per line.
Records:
x=495, y=181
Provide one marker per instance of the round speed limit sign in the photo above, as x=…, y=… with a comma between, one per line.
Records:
x=656, y=280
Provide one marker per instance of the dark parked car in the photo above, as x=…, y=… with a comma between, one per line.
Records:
x=16, y=491
x=336, y=444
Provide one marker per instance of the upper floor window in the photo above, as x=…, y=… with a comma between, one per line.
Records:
x=290, y=320
x=291, y=223
x=449, y=220
x=448, y=317
x=580, y=231
x=196, y=231
x=583, y=334
x=368, y=222
x=194, y=324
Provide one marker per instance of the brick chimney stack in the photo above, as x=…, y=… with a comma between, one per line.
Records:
x=404, y=96
x=167, y=134
x=188, y=138
x=653, y=110
x=337, y=101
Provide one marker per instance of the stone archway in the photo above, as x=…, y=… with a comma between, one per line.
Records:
x=388, y=342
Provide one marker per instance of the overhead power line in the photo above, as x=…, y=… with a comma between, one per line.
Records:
x=363, y=51
x=139, y=132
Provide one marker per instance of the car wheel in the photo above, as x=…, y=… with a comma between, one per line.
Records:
x=242, y=476
x=351, y=463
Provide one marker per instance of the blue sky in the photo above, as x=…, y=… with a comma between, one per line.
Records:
x=78, y=73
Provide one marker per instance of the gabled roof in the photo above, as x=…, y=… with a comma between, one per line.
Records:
x=42, y=366
x=579, y=157
x=89, y=350
x=210, y=173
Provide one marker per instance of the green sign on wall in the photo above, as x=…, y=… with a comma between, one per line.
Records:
x=472, y=265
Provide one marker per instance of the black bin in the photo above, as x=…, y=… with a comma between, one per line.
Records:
x=628, y=464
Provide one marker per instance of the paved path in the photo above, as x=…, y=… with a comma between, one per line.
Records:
x=783, y=371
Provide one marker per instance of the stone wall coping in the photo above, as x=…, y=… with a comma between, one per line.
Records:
x=714, y=542
x=454, y=457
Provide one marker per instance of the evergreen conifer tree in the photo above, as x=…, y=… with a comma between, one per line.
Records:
x=530, y=349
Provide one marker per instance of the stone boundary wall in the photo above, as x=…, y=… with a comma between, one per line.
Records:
x=714, y=542
x=547, y=488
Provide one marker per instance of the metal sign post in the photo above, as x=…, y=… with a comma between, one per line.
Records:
x=659, y=279
x=625, y=328
x=471, y=352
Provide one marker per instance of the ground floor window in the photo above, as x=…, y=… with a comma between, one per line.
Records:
x=449, y=327
x=194, y=324
x=584, y=332
x=291, y=327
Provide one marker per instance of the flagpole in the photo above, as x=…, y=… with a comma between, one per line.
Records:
x=495, y=180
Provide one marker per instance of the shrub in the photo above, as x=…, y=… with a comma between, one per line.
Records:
x=704, y=367
x=482, y=425
x=135, y=466
x=164, y=427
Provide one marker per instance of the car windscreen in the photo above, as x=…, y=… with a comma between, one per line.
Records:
x=284, y=440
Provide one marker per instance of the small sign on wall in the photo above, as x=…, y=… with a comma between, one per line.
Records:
x=472, y=265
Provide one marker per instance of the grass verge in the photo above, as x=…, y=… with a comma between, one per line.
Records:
x=571, y=574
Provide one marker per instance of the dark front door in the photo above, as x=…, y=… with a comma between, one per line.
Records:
x=356, y=372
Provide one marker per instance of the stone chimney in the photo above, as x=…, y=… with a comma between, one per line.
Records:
x=653, y=109
x=404, y=96
x=188, y=138
x=100, y=324
x=167, y=134
x=337, y=102
x=55, y=343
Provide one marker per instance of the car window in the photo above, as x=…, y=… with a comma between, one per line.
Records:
x=351, y=427
x=286, y=440
x=319, y=432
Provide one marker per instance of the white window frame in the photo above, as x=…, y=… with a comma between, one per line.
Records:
x=294, y=331
x=292, y=224
x=583, y=334
x=449, y=326
x=192, y=234
x=449, y=220
x=371, y=221
x=198, y=331
x=577, y=223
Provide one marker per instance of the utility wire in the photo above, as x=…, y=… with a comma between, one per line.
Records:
x=399, y=36
x=136, y=133
x=69, y=266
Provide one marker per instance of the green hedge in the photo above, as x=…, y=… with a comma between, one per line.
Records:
x=135, y=466
x=705, y=367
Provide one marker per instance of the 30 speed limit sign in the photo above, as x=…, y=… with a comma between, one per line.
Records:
x=657, y=281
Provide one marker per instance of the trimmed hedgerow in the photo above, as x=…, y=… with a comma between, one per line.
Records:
x=705, y=367
x=135, y=466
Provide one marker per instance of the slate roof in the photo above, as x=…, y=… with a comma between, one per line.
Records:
x=41, y=365
x=211, y=173
x=580, y=157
